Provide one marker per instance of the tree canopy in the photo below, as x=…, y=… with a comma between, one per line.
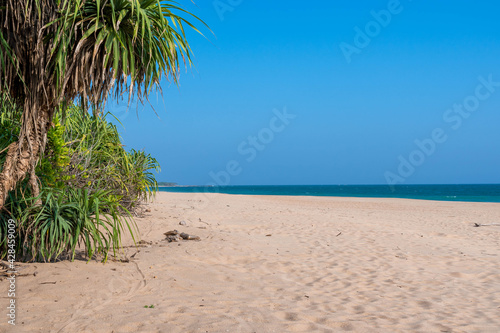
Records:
x=55, y=51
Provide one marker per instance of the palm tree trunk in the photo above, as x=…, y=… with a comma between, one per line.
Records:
x=23, y=155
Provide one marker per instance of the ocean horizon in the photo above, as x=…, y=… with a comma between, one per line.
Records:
x=459, y=192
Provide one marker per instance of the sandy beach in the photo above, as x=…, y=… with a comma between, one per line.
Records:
x=280, y=264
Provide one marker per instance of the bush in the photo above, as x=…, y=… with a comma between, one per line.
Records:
x=65, y=220
x=98, y=160
x=90, y=187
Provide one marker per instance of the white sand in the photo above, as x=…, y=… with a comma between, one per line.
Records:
x=330, y=265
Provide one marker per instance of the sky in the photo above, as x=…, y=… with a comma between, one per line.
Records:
x=330, y=92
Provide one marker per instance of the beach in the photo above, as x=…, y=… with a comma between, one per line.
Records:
x=279, y=264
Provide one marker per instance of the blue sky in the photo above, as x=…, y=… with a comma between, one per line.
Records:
x=352, y=119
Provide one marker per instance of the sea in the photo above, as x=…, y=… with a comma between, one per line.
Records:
x=470, y=193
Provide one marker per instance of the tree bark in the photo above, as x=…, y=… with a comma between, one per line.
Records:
x=23, y=155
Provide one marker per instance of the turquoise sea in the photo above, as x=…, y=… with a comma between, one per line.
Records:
x=473, y=193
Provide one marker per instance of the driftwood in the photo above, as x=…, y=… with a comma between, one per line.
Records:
x=8, y=271
x=16, y=274
x=477, y=225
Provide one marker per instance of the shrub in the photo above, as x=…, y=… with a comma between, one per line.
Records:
x=90, y=187
x=98, y=160
x=65, y=220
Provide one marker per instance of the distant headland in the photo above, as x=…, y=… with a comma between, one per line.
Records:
x=167, y=184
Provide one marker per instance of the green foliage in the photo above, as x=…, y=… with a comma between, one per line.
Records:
x=90, y=49
x=66, y=220
x=142, y=180
x=53, y=52
x=90, y=184
x=52, y=167
x=10, y=124
x=99, y=160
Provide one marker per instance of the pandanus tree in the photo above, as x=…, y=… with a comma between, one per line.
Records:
x=53, y=52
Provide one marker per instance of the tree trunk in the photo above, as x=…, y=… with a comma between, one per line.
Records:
x=23, y=155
